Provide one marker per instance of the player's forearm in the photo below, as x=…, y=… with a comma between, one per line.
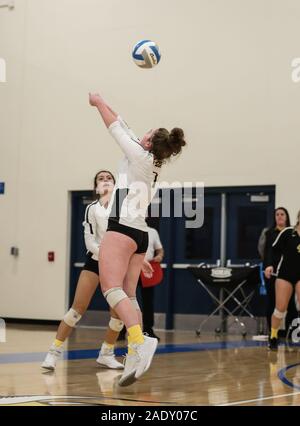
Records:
x=90, y=242
x=107, y=115
x=113, y=112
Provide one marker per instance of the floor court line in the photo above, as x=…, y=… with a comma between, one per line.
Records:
x=17, y=399
x=284, y=379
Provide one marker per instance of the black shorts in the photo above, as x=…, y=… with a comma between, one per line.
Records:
x=140, y=237
x=91, y=264
x=287, y=275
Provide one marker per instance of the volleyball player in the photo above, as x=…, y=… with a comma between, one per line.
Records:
x=268, y=236
x=95, y=224
x=287, y=244
x=125, y=243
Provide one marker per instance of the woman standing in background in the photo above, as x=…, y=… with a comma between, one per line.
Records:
x=287, y=246
x=267, y=238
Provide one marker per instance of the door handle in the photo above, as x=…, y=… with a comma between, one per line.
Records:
x=78, y=264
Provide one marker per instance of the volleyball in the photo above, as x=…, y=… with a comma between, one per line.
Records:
x=146, y=54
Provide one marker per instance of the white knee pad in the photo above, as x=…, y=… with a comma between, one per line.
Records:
x=135, y=303
x=72, y=317
x=114, y=295
x=115, y=324
x=278, y=314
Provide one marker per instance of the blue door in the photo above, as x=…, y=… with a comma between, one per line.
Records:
x=192, y=246
x=248, y=212
x=239, y=214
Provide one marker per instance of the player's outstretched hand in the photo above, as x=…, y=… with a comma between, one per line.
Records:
x=147, y=269
x=95, y=99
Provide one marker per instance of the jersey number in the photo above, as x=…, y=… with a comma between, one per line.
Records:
x=155, y=179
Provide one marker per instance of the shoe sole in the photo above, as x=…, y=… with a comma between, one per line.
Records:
x=48, y=367
x=128, y=381
x=137, y=376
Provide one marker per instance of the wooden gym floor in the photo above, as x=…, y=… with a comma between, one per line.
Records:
x=187, y=370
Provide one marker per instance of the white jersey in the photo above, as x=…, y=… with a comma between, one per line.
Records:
x=95, y=225
x=154, y=244
x=136, y=181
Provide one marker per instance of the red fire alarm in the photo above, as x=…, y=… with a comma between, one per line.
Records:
x=51, y=256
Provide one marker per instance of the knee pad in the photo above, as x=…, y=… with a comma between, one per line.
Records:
x=135, y=303
x=72, y=317
x=115, y=324
x=114, y=295
x=278, y=314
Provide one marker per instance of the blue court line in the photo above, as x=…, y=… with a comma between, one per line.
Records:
x=14, y=358
x=284, y=379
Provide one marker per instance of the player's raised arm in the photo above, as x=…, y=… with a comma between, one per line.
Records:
x=107, y=114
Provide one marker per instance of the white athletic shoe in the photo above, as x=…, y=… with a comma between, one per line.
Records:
x=106, y=358
x=52, y=357
x=139, y=362
x=146, y=352
x=128, y=376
